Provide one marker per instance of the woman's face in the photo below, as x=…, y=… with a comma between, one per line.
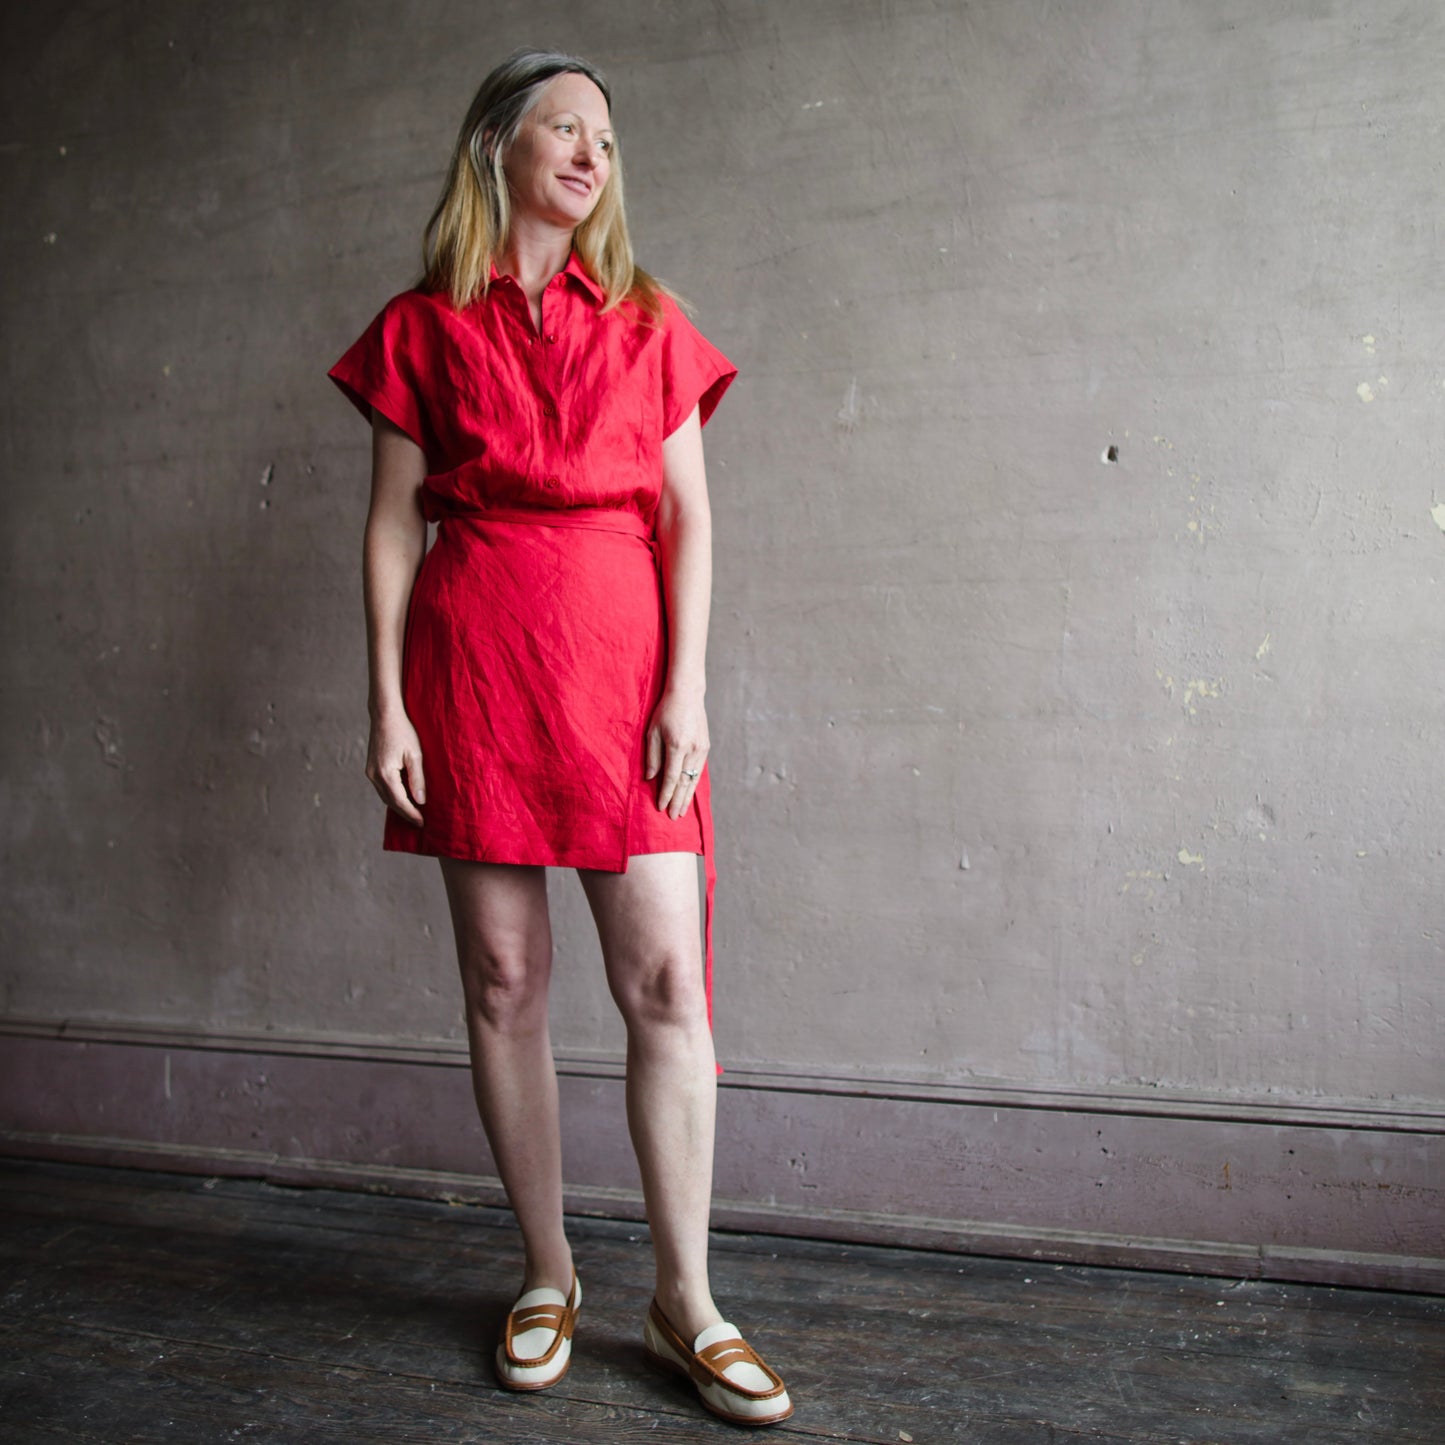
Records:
x=562, y=155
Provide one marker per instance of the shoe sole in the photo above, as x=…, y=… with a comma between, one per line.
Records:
x=665, y=1366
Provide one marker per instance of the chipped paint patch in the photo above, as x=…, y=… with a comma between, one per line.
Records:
x=1202, y=687
x=1438, y=512
x=1363, y=392
x=1186, y=857
x=107, y=734
x=1195, y=689
x=1144, y=878
x=1369, y=344
x=1200, y=520
x=1262, y=651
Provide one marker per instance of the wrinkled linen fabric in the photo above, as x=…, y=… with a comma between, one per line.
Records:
x=536, y=637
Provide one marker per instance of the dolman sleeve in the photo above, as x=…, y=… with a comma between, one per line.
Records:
x=694, y=372
x=383, y=367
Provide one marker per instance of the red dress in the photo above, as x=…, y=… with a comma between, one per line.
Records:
x=536, y=639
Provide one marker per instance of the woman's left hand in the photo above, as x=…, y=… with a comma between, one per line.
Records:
x=677, y=748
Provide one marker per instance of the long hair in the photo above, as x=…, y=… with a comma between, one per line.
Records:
x=468, y=230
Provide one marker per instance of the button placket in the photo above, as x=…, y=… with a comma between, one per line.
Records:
x=549, y=338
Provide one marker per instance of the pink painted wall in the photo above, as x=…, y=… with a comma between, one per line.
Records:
x=1034, y=770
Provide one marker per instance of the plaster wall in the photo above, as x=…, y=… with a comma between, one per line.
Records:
x=1030, y=766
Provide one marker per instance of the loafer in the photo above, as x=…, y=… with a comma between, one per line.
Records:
x=732, y=1379
x=536, y=1346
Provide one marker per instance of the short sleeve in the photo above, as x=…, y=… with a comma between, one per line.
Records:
x=694, y=372
x=382, y=368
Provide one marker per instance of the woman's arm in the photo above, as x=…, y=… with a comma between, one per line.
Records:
x=391, y=555
x=677, y=737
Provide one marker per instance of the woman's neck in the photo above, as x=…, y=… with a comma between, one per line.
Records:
x=534, y=255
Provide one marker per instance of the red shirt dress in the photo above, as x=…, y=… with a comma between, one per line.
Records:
x=536, y=637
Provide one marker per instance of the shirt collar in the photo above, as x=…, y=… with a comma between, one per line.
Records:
x=578, y=272
x=574, y=268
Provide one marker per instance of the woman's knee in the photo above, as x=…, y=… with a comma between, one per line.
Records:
x=505, y=986
x=663, y=992
x=504, y=940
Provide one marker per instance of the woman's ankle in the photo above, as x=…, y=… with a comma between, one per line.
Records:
x=688, y=1311
x=552, y=1270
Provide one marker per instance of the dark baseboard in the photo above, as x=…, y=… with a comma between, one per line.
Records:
x=1329, y=1192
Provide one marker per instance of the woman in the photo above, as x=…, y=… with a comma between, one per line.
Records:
x=537, y=676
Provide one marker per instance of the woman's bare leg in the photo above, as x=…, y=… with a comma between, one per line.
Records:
x=647, y=920
x=504, y=949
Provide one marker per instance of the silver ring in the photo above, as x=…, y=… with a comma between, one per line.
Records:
x=690, y=772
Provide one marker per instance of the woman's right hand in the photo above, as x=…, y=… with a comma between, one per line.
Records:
x=393, y=764
x=391, y=557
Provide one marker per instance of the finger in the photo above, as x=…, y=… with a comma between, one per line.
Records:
x=671, y=776
x=686, y=786
x=652, y=760
x=415, y=778
x=393, y=792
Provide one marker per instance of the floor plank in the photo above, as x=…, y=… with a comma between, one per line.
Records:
x=143, y=1306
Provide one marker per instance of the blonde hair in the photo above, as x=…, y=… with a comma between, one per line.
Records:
x=468, y=229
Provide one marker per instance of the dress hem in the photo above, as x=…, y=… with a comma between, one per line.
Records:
x=426, y=848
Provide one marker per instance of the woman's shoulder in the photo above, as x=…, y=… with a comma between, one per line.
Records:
x=414, y=322
x=668, y=310
x=417, y=305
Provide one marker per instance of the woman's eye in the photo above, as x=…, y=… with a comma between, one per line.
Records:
x=606, y=146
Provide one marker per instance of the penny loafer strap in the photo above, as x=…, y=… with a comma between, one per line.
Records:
x=709, y=1363
x=539, y=1317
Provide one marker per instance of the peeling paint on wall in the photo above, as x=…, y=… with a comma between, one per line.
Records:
x=1195, y=690
x=107, y=734
x=926, y=558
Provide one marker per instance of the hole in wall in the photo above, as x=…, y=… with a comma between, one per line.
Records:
x=1110, y=454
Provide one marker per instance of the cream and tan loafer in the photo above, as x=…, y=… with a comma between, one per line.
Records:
x=732, y=1379
x=536, y=1346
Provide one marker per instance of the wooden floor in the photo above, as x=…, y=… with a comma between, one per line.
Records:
x=158, y=1307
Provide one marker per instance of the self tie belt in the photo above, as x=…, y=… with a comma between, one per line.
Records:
x=592, y=519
